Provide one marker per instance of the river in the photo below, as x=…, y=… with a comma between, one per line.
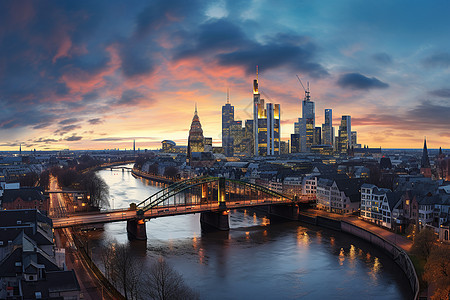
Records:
x=256, y=259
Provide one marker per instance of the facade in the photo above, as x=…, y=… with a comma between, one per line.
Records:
x=295, y=143
x=227, y=122
x=327, y=128
x=377, y=205
x=195, y=139
x=266, y=121
x=338, y=195
x=305, y=126
x=25, y=198
x=345, y=135
x=317, y=136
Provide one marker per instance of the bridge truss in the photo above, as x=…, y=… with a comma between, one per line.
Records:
x=217, y=192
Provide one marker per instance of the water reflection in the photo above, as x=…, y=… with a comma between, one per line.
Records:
x=256, y=258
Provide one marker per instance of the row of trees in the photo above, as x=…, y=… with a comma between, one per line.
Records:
x=159, y=281
x=437, y=263
x=96, y=187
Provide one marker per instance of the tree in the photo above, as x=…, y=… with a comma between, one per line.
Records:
x=423, y=243
x=162, y=282
x=122, y=268
x=29, y=179
x=437, y=271
x=153, y=169
x=44, y=179
x=170, y=172
x=96, y=188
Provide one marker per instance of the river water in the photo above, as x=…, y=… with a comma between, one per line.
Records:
x=257, y=258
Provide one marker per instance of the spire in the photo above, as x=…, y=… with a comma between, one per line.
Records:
x=228, y=96
x=257, y=73
x=195, y=108
x=20, y=149
x=425, y=159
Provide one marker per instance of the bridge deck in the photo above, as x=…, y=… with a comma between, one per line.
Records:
x=159, y=211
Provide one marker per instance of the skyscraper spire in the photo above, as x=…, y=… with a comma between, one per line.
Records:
x=195, y=113
x=228, y=96
x=256, y=72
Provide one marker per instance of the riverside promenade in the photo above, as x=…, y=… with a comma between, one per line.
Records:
x=396, y=239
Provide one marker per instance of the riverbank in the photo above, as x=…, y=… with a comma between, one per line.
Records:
x=137, y=173
x=393, y=244
x=92, y=287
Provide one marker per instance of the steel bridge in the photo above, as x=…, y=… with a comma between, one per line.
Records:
x=213, y=197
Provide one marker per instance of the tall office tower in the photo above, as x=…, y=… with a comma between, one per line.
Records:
x=317, y=136
x=256, y=109
x=345, y=134
x=227, y=121
x=327, y=128
x=273, y=129
x=295, y=143
x=237, y=134
x=265, y=142
x=247, y=142
x=306, y=124
x=354, y=140
x=195, y=139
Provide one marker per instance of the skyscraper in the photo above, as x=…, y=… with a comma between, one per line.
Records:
x=256, y=108
x=345, y=134
x=195, y=139
x=266, y=124
x=227, y=121
x=327, y=128
x=306, y=124
x=273, y=129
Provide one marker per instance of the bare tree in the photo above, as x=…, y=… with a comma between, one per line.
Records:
x=162, y=282
x=96, y=188
x=122, y=269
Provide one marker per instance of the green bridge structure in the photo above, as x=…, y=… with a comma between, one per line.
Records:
x=212, y=197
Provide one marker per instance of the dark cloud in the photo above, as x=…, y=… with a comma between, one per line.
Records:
x=112, y=139
x=130, y=97
x=382, y=58
x=229, y=45
x=443, y=93
x=95, y=121
x=438, y=60
x=65, y=129
x=160, y=13
x=68, y=121
x=136, y=59
x=356, y=81
x=41, y=140
x=73, y=138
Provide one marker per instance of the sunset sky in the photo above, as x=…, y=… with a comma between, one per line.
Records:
x=98, y=74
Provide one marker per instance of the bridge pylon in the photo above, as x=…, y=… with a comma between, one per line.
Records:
x=136, y=229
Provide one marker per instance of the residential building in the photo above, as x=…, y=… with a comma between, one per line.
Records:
x=338, y=195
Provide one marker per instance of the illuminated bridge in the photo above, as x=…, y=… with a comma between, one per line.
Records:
x=213, y=197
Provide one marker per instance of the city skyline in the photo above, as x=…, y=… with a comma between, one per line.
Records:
x=96, y=76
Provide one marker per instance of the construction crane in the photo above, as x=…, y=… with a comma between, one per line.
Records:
x=307, y=93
